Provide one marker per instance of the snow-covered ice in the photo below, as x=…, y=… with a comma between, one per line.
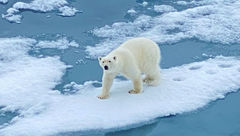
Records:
x=213, y=21
x=61, y=43
x=28, y=83
x=4, y=1
x=131, y=11
x=44, y=111
x=145, y=3
x=164, y=8
x=14, y=13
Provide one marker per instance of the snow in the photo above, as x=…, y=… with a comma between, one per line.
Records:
x=182, y=3
x=4, y=1
x=25, y=81
x=67, y=11
x=61, y=43
x=145, y=3
x=28, y=83
x=164, y=8
x=216, y=22
x=14, y=13
x=184, y=88
x=131, y=11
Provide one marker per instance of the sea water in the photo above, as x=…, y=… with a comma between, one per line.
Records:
x=50, y=76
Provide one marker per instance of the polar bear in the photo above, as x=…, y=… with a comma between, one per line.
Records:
x=131, y=59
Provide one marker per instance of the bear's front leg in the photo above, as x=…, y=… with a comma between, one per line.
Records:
x=107, y=83
x=137, y=84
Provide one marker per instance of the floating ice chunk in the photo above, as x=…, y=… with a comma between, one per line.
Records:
x=131, y=11
x=81, y=89
x=4, y=1
x=182, y=2
x=11, y=16
x=61, y=43
x=207, y=55
x=182, y=89
x=39, y=6
x=80, y=61
x=204, y=2
x=145, y=4
x=12, y=10
x=164, y=8
x=67, y=11
x=185, y=3
x=12, y=48
x=23, y=77
x=215, y=22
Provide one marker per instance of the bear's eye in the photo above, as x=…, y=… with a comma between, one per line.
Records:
x=103, y=62
x=109, y=61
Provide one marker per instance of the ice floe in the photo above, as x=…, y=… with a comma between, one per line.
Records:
x=213, y=21
x=4, y=1
x=25, y=81
x=67, y=11
x=164, y=8
x=182, y=89
x=144, y=3
x=61, y=43
x=14, y=13
x=182, y=2
x=131, y=11
x=203, y=2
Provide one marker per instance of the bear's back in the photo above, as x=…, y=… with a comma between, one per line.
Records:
x=144, y=50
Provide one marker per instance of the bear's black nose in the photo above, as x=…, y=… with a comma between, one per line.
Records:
x=106, y=67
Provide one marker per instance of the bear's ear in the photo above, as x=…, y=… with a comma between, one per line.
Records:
x=99, y=58
x=114, y=58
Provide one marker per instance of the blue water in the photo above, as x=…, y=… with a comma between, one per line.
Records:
x=219, y=118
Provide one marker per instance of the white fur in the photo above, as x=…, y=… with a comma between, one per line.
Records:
x=131, y=59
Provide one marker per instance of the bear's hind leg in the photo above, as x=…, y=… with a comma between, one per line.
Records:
x=152, y=77
x=147, y=79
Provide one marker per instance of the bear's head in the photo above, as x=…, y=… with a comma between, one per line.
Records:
x=108, y=63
